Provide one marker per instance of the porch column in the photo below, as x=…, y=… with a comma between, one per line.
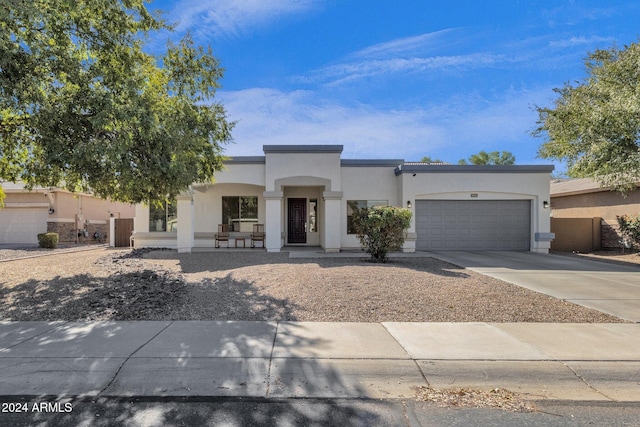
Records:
x=140, y=223
x=273, y=220
x=332, y=220
x=186, y=222
x=141, y=220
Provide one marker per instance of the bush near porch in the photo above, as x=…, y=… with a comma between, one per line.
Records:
x=381, y=229
x=630, y=229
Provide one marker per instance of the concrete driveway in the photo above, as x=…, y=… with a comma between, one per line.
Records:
x=610, y=288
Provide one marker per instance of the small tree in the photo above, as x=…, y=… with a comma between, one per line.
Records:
x=492, y=158
x=630, y=228
x=381, y=229
x=428, y=159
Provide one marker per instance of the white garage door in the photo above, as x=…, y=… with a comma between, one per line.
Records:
x=473, y=225
x=19, y=225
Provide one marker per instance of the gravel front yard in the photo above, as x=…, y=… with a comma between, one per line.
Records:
x=612, y=256
x=103, y=284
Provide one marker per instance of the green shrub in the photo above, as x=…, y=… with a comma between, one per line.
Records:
x=381, y=229
x=630, y=228
x=48, y=240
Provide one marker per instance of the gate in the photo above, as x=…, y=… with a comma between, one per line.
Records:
x=123, y=230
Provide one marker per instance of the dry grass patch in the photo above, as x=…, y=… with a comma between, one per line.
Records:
x=468, y=398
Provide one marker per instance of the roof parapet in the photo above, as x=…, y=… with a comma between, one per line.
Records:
x=302, y=149
x=244, y=160
x=371, y=162
x=430, y=168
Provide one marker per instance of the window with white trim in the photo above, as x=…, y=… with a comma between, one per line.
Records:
x=236, y=209
x=359, y=204
x=163, y=216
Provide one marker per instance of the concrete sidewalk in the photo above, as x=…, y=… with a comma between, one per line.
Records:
x=588, y=362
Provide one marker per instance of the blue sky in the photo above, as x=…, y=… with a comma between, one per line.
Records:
x=398, y=79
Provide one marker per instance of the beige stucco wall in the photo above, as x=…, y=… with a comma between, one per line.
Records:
x=67, y=205
x=366, y=183
x=253, y=174
x=61, y=208
x=316, y=165
x=33, y=197
x=605, y=204
x=208, y=204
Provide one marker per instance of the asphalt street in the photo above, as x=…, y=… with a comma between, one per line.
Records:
x=242, y=412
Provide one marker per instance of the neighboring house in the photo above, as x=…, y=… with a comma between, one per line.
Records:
x=585, y=199
x=75, y=217
x=304, y=195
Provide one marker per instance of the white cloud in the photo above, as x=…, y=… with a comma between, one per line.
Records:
x=268, y=116
x=452, y=130
x=405, y=45
x=345, y=72
x=416, y=54
x=233, y=17
x=581, y=41
x=430, y=53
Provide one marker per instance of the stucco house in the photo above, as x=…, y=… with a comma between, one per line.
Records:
x=75, y=217
x=574, y=202
x=304, y=194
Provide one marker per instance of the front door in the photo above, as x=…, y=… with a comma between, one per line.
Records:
x=297, y=232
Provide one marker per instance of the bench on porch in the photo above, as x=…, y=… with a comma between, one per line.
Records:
x=222, y=235
x=258, y=235
x=234, y=239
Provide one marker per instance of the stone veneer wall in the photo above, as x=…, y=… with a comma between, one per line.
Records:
x=610, y=236
x=67, y=232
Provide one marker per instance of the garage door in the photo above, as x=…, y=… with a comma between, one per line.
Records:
x=473, y=225
x=18, y=225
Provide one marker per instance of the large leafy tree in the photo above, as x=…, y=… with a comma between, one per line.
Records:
x=491, y=158
x=594, y=124
x=84, y=105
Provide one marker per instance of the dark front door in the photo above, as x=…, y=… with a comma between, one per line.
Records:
x=296, y=231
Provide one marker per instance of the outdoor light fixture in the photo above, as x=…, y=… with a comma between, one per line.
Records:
x=409, y=204
x=545, y=204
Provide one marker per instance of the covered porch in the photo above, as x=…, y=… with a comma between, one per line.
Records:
x=303, y=213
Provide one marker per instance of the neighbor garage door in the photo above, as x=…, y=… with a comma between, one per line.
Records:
x=473, y=225
x=19, y=225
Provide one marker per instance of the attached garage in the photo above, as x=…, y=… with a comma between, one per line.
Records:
x=473, y=225
x=22, y=225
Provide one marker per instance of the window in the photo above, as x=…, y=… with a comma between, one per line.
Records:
x=235, y=209
x=313, y=215
x=163, y=216
x=359, y=204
